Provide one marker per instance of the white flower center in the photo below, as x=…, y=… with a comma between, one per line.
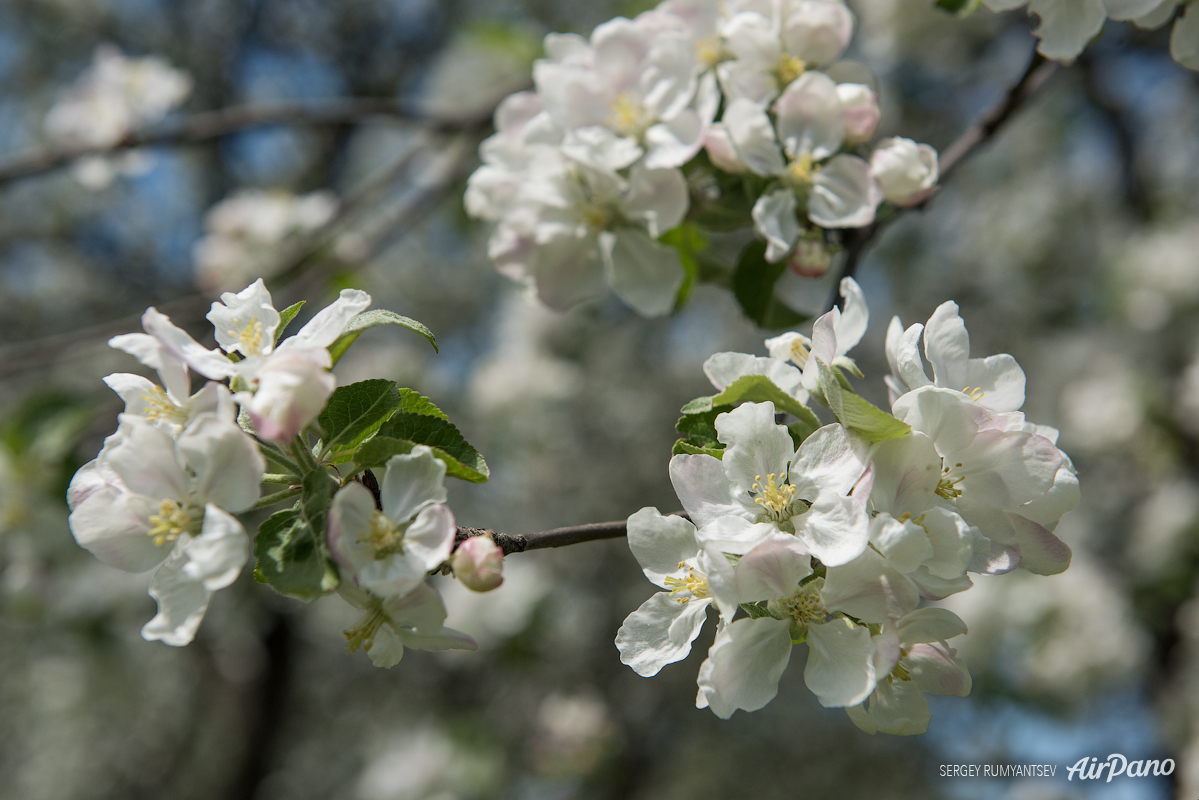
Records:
x=948, y=487
x=250, y=337
x=900, y=671
x=805, y=606
x=799, y=351
x=692, y=584
x=800, y=171
x=628, y=116
x=788, y=69
x=384, y=537
x=776, y=501
x=159, y=406
x=173, y=520
x=709, y=51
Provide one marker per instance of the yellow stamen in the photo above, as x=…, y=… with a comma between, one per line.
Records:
x=774, y=499
x=948, y=487
x=799, y=352
x=250, y=337
x=709, y=51
x=362, y=633
x=383, y=536
x=789, y=68
x=173, y=520
x=800, y=171
x=974, y=394
x=595, y=217
x=805, y=606
x=694, y=584
x=628, y=116
x=159, y=406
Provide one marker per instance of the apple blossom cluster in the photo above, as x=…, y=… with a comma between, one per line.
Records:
x=109, y=101
x=167, y=488
x=844, y=535
x=713, y=115
x=1068, y=25
x=243, y=230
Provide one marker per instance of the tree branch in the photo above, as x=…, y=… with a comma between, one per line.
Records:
x=1039, y=71
x=207, y=125
x=556, y=537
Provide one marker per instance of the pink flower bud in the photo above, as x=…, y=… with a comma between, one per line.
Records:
x=861, y=112
x=479, y=564
x=809, y=259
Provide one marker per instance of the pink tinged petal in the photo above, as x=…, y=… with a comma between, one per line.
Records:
x=479, y=564
x=244, y=311
x=810, y=117
x=1067, y=25
x=862, y=114
x=1006, y=470
x=86, y=481
x=178, y=344
x=703, y=488
x=293, y=386
x=114, y=527
x=994, y=557
x=430, y=538
x=930, y=625
x=775, y=220
x=660, y=543
x=869, y=589
x=1184, y=38
x=904, y=543
x=1041, y=552
x=567, y=270
x=772, y=569
x=753, y=137
x=756, y=447
x=143, y=456
x=216, y=556
x=660, y=632
x=832, y=460
x=744, y=665
x=1000, y=379
x=898, y=708
x=907, y=470
x=844, y=194
x=350, y=516
x=225, y=462
x=734, y=534
x=324, y=328
x=947, y=346
x=836, y=529
x=421, y=610
x=817, y=31
x=411, y=482
x=935, y=669
x=723, y=369
x=182, y=601
x=840, y=668
x=644, y=272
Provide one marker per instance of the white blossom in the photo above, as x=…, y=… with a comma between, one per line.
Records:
x=907, y=171
x=149, y=499
x=479, y=564
x=391, y=552
x=415, y=620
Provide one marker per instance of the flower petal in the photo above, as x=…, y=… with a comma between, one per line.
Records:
x=660, y=632
x=775, y=220
x=215, y=557
x=840, y=668
x=411, y=482
x=744, y=665
x=703, y=488
x=772, y=569
x=182, y=601
x=756, y=446
x=844, y=194
x=869, y=589
x=661, y=543
x=644, y=272
x=226, y=465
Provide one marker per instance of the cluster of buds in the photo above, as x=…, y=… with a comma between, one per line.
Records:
x=166, y=487
x=841, y=535
x=586, y=175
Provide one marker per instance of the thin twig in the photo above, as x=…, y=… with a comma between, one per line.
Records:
x=856, y=240
x=556, y=537
x=207, y=125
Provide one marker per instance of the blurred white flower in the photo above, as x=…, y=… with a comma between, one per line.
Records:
x=1101, y=411
x=111, y=99
x=907, y=171
x=244, y=229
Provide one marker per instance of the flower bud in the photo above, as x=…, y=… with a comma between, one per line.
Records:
x=479, y=563
x=809, y=259
x=860, y=106
x=907, y=171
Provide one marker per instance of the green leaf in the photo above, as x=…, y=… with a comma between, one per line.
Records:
x=355, y=411
x=753, y=286
x=412, y=402
x=462, y=460
x=700, y=429
x=698, y=406
x=800, y=431
x=373, y=319
x=857, y=414
x=683, y=447
x=285, y=318
x=690, y=241
x=759, y=389
x=962, y=8
x=289, y=545
x=755, y=610
x=379, y=450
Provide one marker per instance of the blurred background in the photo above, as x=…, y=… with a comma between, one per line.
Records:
x=1070, y=241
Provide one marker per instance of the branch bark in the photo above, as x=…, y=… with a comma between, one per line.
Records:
x=207, y=125
x=555, y=537
x=1038, y=72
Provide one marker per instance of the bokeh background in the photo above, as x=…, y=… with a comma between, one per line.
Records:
x=1071, y=241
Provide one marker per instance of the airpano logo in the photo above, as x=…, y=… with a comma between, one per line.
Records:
x=1091, y=768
